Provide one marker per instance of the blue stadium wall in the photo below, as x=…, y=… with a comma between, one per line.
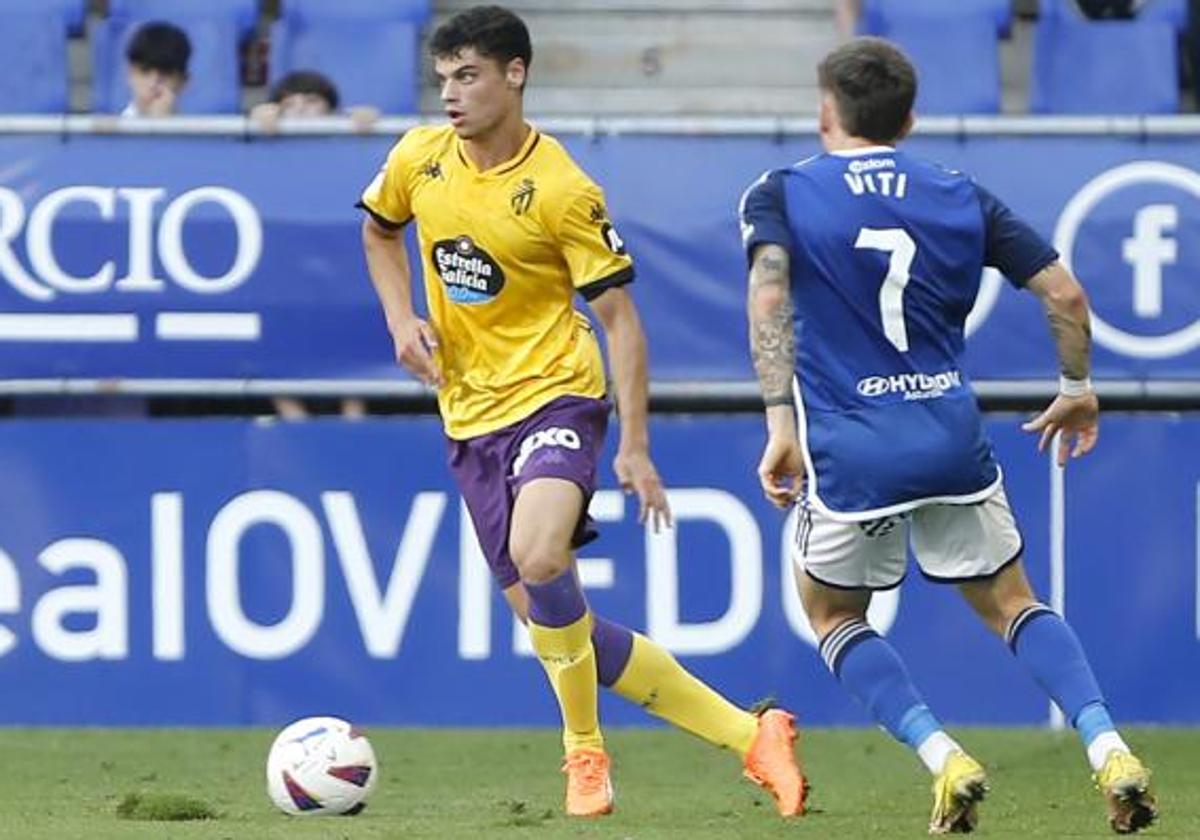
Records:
x=234, y=572
x=227, y=572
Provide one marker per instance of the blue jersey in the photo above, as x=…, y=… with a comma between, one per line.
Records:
x=887, y=253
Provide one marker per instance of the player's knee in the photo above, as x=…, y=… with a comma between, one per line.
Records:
x=825, y=619
x=539, y=558
x=998, y=605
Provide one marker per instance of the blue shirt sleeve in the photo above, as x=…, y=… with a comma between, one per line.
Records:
x=1009, y=244
x=763, y=215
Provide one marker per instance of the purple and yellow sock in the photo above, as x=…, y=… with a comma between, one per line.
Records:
x=645, y=673
x=560, y=628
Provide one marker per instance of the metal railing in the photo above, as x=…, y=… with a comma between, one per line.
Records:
x=788, y=126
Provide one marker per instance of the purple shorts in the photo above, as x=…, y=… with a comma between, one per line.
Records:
x=562, y=439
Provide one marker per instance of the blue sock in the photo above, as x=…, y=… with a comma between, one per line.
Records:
x=1092, y=721
x=873, y=672
x=1050, y=650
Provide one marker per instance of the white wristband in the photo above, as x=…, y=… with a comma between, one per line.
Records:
x=1074, y=387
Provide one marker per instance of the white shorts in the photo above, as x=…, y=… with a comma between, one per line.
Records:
x=951, y=543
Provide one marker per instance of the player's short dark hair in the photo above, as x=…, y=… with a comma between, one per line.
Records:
x=873, y=84
x=493, y=31
x=160, y=46
x=306, y=82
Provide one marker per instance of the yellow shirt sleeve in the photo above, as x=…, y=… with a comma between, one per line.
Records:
x=590, y=244
x=386, y=197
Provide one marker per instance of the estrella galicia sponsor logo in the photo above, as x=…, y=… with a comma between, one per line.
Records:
x=469, y=272
x=913, y=386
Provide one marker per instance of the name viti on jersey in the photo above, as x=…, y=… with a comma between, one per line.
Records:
x=469, y=272
x=876, y=176
x=914, y=386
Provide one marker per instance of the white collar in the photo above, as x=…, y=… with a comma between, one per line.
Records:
x=865, y=150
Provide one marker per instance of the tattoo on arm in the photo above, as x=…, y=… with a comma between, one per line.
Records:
x=772, y=335
x=1070, y=327
x=1073, y=340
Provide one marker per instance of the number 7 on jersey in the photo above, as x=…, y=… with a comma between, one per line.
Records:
x=901, y=251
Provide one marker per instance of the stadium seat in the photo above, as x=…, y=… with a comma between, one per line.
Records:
x=414, y=11
x=953, y=44
x=215, y=28
x=34, y=46
x=958, y=64
x=368, y=48
x=74, y=11
x=244, y=11
x=1173, y=12
x=879, y=15
x=33, y=41
x=1104, y=67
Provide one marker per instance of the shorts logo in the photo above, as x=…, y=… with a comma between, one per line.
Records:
x=881, y=527
x=469, y=272
x=553, y=436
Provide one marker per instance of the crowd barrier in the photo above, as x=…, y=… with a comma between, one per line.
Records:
x=199, y=251
x=232, y=572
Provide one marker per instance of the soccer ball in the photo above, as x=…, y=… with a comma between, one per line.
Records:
x=321, y=765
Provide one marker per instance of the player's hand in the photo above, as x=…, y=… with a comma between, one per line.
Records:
x=637, y=474
x=265, y=116
x=1077, y=418
x=416, y=343
x=162, y=102
x=781, y=470
x=363, y=118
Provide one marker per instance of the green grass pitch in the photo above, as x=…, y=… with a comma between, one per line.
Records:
x=502, y=784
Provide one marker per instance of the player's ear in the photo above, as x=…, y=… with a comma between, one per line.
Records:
x=514, y=74
x=827, y=116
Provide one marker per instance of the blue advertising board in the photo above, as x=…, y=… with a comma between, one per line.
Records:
x=232, y=257
x=232, y=572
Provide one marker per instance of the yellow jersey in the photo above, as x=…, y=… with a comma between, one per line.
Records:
x=503, y=252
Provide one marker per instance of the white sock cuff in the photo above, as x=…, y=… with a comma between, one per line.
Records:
x=1102, y=745
x=935, y=749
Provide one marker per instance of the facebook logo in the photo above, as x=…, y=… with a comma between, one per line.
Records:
x=1136, y=268
x=1148, y=250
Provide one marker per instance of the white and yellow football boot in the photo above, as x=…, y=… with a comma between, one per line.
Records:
x=957, y=792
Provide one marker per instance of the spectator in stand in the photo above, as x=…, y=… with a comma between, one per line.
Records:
x=157, y=69
x=1191, y=46
x=294, y=408
x=305, y=94
x=1109, y=9
x=846, y=14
